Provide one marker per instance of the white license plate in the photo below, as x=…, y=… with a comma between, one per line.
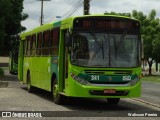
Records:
x=109, y=91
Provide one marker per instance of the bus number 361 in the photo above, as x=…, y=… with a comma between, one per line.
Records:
x=94, y=77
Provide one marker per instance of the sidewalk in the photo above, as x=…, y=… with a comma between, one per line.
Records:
x=153, y=73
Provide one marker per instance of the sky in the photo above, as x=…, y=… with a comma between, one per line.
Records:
x=65, y=8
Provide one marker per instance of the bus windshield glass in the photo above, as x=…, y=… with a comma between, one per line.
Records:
x=101, y=49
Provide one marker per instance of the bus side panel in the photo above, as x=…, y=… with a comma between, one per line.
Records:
x=32, y=71
x=46, y=76
x=54, y=67
x=32, y=65
x=26, y=67
x=20, y=61
x=39, y=68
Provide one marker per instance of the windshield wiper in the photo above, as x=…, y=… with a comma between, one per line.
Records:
x=95, y=38
x=99, y=43
x=120, y=40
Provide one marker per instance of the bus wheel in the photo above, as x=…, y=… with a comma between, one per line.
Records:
x=29, y=86
x=113, y=101
x=57, y=98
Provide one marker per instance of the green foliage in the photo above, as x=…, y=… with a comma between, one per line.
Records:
x=151, y=78
x=10, y=19
x=1, y=72
x=120, y=14
x=150, y=29
x=156, y=48
x=152, y=15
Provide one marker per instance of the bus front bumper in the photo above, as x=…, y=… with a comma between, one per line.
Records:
x=89, y=91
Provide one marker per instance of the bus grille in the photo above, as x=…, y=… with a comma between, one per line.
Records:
x=113, y=72
x=94, y=72
x=115, y=83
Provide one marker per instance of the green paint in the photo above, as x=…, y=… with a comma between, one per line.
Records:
x=42, y=67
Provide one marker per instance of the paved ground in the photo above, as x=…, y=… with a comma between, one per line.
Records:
x=16, y=98
x=151, y=92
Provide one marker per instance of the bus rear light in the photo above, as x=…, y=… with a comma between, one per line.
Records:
x=78, y=79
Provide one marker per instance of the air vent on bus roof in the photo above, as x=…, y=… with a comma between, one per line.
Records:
x=96, y=72
x=113, y=72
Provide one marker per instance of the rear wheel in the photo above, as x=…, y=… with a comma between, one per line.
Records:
x=29, y=86
x=113, y=101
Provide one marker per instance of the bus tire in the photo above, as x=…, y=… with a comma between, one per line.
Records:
x=57, y=97
x=113, y=101
x=29, y=86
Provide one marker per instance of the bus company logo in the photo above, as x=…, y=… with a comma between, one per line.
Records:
x=6, y=114
x=110, y=79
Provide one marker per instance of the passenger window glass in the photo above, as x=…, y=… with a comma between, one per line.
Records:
x=46, y=42
x=54, y=41
x=33, y=44
x=39, y=43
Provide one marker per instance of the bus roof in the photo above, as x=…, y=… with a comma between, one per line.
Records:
x=64, y=24
x=40, y=29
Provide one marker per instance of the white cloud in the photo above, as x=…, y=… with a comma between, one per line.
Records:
x=30, y=24
x=55, y=8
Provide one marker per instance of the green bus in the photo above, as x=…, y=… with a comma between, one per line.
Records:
x=13, y=62
x=92, y=56
x=13, y=57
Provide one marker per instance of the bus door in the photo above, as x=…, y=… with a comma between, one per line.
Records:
x=63, y=61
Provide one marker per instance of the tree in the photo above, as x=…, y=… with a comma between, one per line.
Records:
x=4, y=8
x=121, y=14
x=10, y=19
x=150, y=28
x=156, y=48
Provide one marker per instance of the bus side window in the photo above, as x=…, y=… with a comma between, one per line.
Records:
x=39, y=43
x=33, y=44
x=28, y=45
x=46, y=40
x=54, y=43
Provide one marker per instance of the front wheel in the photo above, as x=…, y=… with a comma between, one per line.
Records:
x=113, y=101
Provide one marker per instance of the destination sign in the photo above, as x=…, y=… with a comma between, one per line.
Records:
x=109, y=23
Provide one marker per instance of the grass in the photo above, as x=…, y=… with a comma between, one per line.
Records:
x=151, y=78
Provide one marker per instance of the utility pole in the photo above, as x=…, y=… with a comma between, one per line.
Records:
x=41, y=18
x=86, y=7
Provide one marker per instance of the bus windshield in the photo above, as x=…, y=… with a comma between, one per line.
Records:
x=101, y=49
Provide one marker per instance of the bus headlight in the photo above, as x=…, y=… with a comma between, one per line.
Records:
x=78, y=79
x=135, y=81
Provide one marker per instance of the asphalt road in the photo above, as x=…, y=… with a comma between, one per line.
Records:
x=15, y=97
x=151, y=92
